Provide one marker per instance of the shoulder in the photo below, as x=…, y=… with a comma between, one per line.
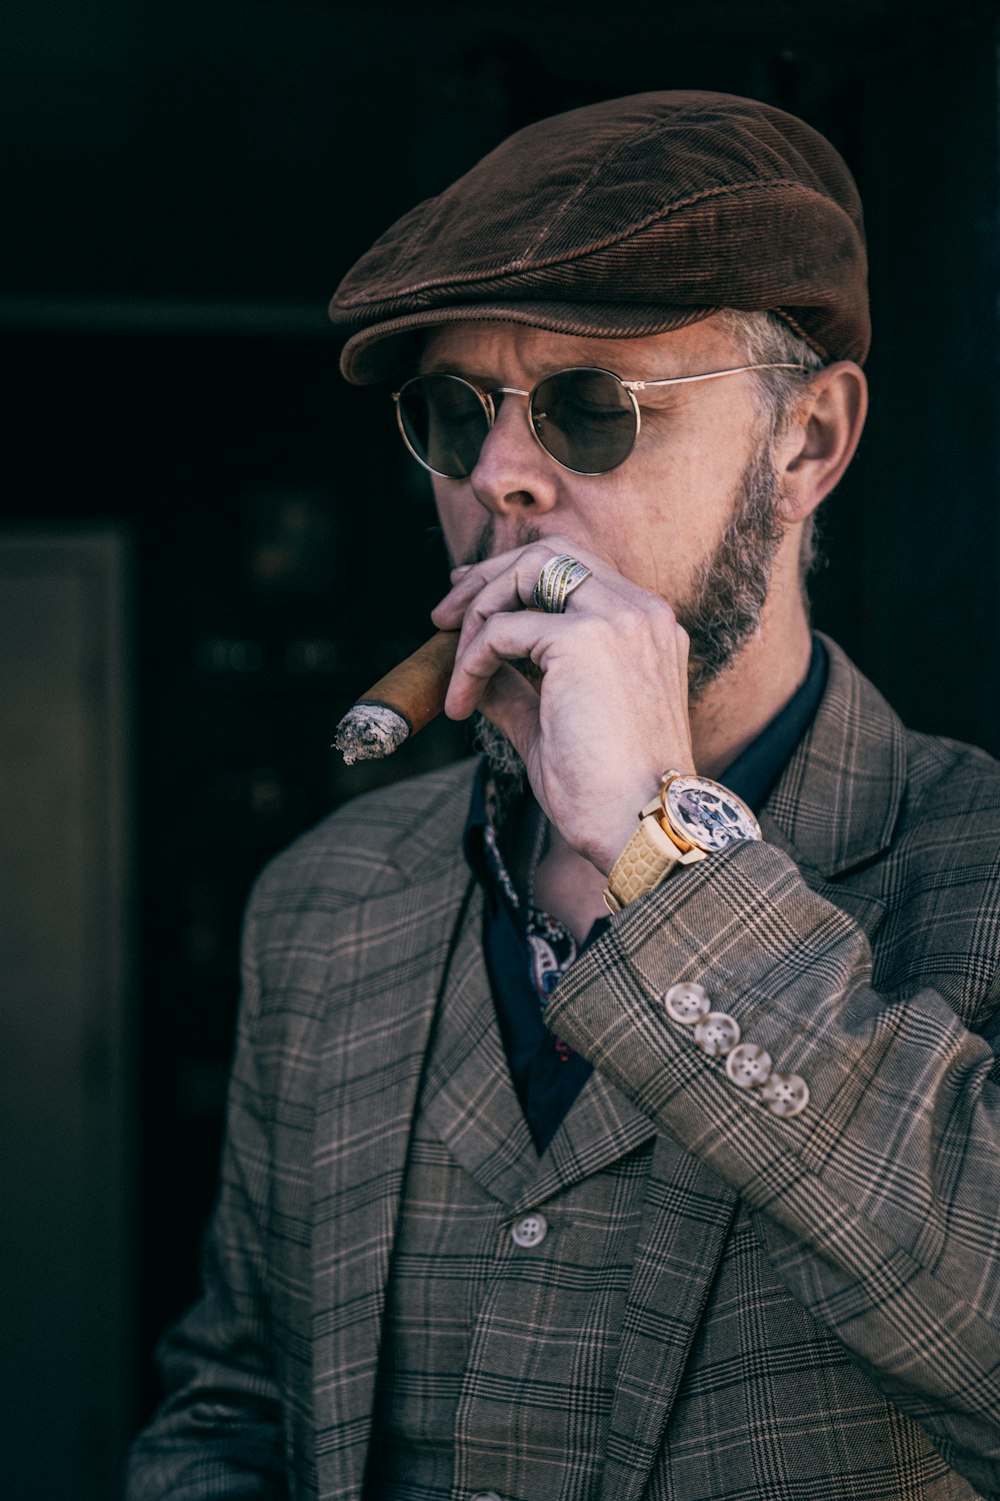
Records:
x=867, y=780
x=952, y=795
x=946, y=847
x=902, y=830
x=372, y=845
x=940, y=878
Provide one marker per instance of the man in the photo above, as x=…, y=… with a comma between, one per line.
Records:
x=524, y=1200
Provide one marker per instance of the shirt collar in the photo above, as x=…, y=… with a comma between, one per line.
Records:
x=754, y=772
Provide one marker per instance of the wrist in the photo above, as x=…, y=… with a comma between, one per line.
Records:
x=630, y=806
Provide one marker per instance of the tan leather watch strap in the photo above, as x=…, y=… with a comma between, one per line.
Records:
x=646, y=860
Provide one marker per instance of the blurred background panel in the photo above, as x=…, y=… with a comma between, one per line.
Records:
x=67, y=980
x=184, y=185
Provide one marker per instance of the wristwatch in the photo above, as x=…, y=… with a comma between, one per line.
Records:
x=689, y=819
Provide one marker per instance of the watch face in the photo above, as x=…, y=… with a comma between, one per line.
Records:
x=707, y=814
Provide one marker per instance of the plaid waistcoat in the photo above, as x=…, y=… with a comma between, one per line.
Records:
x=811, y=1307
x=499, y=1351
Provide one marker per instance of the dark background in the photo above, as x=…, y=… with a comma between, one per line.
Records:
x=185, y=183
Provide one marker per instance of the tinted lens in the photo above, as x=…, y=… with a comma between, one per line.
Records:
x=585, y=419
x=444, y=423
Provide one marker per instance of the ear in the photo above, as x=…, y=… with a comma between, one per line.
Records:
x=819, y=442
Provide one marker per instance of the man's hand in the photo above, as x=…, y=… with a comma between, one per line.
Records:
x=610, y=711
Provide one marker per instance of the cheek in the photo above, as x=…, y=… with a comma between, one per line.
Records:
x=691, y=486
x=670, y=518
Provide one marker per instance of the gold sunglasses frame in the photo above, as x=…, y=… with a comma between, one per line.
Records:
x=630, y=387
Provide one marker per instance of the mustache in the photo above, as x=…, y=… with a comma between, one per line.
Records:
x=484, y=546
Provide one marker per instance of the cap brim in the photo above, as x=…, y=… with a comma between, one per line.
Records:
x=386, y=349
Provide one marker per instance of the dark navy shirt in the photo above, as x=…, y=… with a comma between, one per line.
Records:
x=527, y=950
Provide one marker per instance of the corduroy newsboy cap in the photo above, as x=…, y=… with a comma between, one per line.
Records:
x=625, y=218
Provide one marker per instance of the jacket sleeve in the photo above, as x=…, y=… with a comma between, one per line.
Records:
x=219, y=1432
x=877, y=1204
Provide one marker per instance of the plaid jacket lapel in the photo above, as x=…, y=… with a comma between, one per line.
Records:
x=472, y=1105
x=837, y=801
x=469, y=1098
x=371, y=1063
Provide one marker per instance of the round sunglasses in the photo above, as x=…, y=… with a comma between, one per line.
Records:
x=585, y=418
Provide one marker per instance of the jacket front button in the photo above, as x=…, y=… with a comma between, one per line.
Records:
x=530, y=1231
x=485, y=1496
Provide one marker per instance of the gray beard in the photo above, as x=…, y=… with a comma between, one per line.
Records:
x=720, y=615
x=731, y=585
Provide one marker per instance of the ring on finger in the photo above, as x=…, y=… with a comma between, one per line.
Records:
x=556, y=582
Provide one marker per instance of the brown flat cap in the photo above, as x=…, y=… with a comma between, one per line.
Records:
x=626, y=218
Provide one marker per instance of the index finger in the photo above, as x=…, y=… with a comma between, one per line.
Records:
x=507, y=580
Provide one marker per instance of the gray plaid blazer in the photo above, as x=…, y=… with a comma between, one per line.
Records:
x=860, y=944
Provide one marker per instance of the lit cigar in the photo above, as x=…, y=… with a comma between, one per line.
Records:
x=400, y=704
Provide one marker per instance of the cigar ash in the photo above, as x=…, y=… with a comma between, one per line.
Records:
x=370, y=731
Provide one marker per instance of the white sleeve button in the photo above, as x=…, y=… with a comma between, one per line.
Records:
x=717, y=1033
x=687, y=1003
x=786, y=1094
x=530, y=1231
x=748, y=1066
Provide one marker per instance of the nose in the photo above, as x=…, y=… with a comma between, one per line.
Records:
x=513, y=473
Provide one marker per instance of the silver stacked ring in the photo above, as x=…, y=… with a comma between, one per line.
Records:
x=556, y=582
